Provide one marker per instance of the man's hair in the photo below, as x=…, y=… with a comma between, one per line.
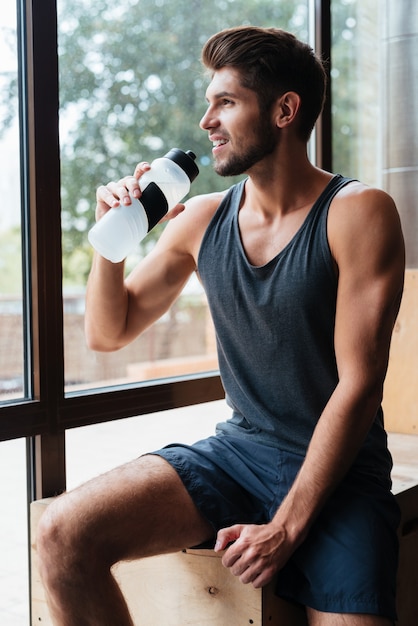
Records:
x=271, y=62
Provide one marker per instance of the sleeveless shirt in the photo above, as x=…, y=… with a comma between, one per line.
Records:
x=275, y=330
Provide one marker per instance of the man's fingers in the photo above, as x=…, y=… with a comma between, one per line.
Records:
x=257, y=574
x=118, y=192
x=141, y=168
x=226, y=536
x=104, y=195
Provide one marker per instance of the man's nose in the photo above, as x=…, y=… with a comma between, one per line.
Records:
x=207, y=120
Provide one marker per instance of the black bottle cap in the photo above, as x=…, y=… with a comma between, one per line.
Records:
x=186, y=160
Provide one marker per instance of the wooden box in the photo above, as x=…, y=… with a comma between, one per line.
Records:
x=192, y=588
x=186, y=588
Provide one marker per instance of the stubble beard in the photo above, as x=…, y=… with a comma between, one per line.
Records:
x=240, y=163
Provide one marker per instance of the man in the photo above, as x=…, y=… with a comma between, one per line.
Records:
x=304, y=273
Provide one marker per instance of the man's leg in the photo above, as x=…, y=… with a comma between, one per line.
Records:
x=317, y=618
x=137, y=510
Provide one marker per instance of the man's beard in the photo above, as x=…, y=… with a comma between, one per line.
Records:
x=240, y=163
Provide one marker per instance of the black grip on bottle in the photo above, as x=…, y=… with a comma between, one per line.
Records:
x=155, y=204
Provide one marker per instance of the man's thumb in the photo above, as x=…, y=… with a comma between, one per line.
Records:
x=226, y=536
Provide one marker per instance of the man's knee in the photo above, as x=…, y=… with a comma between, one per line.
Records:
x=49, y=544
x=63, y=543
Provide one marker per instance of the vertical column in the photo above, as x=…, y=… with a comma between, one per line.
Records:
x=400, y=179
x=400, y=116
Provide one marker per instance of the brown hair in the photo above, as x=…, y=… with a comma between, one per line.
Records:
x=271, y=62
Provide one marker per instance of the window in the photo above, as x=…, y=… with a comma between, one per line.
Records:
x=12, y=322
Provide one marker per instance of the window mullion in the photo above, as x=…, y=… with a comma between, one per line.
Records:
x=43, y=213
x=44, y=204
x=321, y=14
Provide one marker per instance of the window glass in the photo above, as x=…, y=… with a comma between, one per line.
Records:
x=14, y=596
x=357, y=82
x=92, y=450
x=375, y=139
x=131, y=88
x=11, y=318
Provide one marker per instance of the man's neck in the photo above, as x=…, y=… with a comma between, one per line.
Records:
x=281, y=185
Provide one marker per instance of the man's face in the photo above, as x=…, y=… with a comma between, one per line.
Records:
x=241, y=136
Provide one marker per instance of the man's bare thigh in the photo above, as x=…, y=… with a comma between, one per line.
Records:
x=317, y=618
x=136, y=510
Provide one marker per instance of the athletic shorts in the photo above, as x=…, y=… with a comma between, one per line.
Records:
x=347, y=563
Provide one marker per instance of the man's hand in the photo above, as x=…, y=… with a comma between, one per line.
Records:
x=256, y=552
x=115, y=193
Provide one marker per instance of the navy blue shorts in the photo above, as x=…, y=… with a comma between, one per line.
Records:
x=348, y=562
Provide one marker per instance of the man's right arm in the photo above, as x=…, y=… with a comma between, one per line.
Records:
x=119, y=309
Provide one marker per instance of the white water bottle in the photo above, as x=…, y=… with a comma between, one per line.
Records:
x=120, y=230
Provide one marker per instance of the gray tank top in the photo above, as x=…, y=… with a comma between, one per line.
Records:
x=275, y=330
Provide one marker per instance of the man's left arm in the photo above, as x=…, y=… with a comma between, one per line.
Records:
x=366, y=242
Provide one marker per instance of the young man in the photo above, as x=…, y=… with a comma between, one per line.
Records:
x=304, y=273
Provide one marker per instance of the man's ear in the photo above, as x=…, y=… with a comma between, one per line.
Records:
x=287, y=108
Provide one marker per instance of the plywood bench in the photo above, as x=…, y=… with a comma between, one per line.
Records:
x=190, y=587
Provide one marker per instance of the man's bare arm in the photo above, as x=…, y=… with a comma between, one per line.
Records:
x=119, y=309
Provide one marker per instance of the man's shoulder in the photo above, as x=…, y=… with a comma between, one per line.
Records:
x=358, y=201
x=184, y=233
x=363, y=213
x=200, y=209
x=208, y=201
x=356, y=192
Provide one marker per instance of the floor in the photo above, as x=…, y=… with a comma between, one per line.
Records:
x=94, y=449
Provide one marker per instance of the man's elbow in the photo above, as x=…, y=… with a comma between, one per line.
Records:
x=97, y=342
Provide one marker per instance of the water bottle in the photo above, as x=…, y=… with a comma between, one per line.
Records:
x=120, y=230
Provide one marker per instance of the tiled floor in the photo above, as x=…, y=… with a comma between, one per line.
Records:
x=95, y=449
